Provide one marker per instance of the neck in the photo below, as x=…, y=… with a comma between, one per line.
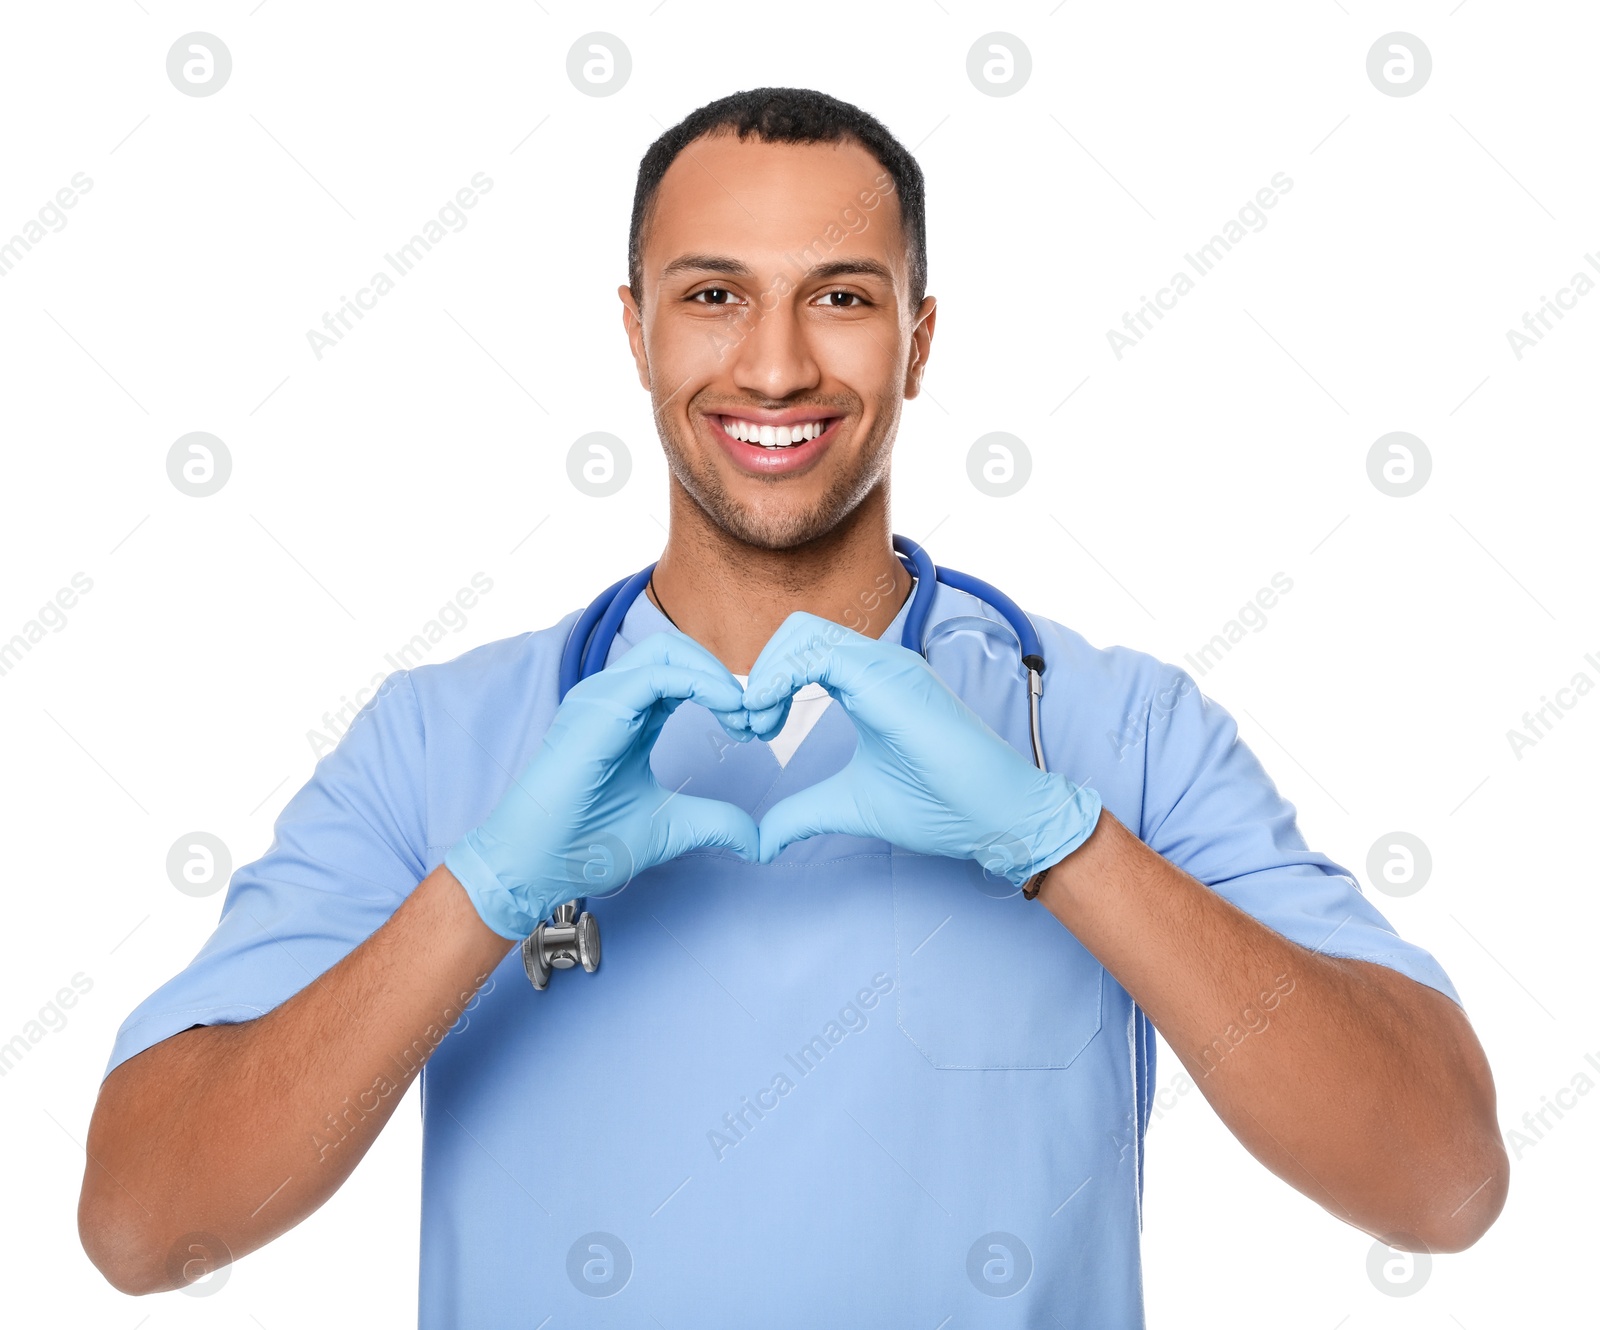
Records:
x=731, y=597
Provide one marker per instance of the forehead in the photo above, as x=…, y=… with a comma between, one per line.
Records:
x=766, y=202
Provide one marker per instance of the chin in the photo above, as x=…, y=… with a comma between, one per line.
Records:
x=781, y=530
x=767, y=522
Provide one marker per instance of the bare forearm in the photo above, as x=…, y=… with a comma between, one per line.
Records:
x=241, y=1131
x=1358, y=1086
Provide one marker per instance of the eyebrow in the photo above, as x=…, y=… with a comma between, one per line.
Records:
x=821, y=272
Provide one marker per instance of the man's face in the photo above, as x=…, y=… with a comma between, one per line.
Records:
x=775, y=302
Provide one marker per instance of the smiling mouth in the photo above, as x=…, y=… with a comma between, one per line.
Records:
x=775, y=436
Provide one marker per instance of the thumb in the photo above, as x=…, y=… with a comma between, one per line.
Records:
x=830, y=807
x=694, y=823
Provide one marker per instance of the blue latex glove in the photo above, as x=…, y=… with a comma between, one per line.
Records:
x=587, y=813
x=928, y=775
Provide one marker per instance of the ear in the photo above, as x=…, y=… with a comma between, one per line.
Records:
x=921, y=345
x=633, y=325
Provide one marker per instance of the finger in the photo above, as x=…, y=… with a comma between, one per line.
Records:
x=792, y=658
x=768, y=721
x=694, y=823
x=808, y=649
x=640, y=686
x=673, y=648
x=736, y=723
x=830, y=807
x=677, y=648
x=654, y=719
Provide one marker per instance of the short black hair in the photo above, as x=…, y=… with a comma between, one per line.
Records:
x=787, y=115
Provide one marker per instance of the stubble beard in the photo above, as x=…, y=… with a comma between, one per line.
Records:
x=763, y=528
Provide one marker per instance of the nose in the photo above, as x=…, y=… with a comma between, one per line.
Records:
x=773, y=357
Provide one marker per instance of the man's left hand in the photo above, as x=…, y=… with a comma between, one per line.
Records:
x=928, y=775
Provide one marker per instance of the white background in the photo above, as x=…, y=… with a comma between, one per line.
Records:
x=1231, y=444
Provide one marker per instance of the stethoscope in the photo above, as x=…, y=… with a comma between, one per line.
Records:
x=571, y=936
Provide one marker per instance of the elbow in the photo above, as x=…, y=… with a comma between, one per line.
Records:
x=120, y=1253
x=114, y=1228
x=1461, y=1211
x=1485, y=1197
x=1466, y=1183
x=140, y=1198
x=124, y=1245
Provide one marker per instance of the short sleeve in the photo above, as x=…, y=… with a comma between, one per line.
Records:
x=346, y=851
x=1211, y=809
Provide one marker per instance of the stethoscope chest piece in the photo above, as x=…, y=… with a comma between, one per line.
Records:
x=571, y=936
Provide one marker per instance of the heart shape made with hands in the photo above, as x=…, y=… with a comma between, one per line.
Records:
x=927, y=774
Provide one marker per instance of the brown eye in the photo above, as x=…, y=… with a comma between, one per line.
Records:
x=712, y=291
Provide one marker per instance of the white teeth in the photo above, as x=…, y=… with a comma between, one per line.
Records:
x=770, y=436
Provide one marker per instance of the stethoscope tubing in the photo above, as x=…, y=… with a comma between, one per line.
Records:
x=584, y=654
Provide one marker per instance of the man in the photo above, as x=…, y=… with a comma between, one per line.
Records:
x=831, y=1070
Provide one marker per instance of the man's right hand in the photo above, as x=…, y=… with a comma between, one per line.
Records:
x=589, y=795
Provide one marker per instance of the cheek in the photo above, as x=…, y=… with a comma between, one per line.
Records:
x=681, y=347
x=865, y=355
x=875, y=374
x=678, y=368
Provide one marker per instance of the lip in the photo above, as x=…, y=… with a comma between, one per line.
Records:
x=754, y=460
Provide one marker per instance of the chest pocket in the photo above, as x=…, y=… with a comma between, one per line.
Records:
x=987, y=980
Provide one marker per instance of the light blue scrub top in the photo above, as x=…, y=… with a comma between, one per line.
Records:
x=856, y=1086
